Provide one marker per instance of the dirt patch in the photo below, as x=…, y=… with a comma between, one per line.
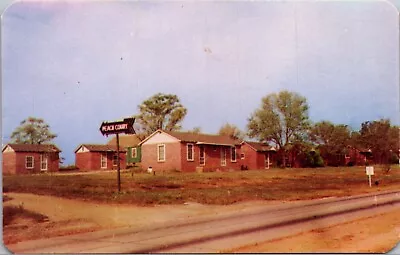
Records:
x=67, y=216
x=377, y=234
x=27, y=229
x=374, y=234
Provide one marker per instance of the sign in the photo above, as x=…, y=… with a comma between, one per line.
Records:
x=117, y=127
x=369, y=170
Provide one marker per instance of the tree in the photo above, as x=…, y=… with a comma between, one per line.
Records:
x=281, y=119
x=381, y=137
x=161, y=111
x=32, y=131
x=332, y=140
x=195, y=130
x=232, y=131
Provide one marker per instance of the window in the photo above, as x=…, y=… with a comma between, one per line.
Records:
x=202, y=156
x=161, y=152
x=223, y=157
x=115, y=160
x=103, y=160
x=29, y=162
x=190, y=152
x=242, y=156
x=43, y=162
x=134, y=153
x=233, y=154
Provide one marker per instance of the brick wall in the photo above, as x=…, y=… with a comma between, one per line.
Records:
x=189, y=166
x=172, y=157
x=176, y=158
x=253, y=159
x=213, y=158
x=261, y=157
x=110, y=155
x=83, y=161
x=53, y=162
x=250, y=157
x=87, y=161
x=15, y=162
x=355, y=157
x=9, y=165
x=20, y=163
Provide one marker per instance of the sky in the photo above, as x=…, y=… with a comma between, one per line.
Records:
x=78, y=63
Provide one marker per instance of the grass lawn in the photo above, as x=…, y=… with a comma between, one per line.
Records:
x=208, y=188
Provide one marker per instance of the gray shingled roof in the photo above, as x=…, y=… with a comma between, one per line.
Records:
x=260, y=146
x=101, y=147
x=203, y=138
x=33, y=147
x=125, y=141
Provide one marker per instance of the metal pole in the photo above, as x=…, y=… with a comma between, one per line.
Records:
x=118, y=165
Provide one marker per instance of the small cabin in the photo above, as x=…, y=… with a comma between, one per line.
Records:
x=131, y=144
x=30, y=158
x=90, y=157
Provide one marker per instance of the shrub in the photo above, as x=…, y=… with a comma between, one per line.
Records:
x=313, y=159
x=68, y=168
x=351, y=163
x=394, y=159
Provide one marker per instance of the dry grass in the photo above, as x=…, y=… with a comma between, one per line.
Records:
x=10, y=213
x=208, y=188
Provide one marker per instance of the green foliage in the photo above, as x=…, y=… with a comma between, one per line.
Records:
x=381, y=137
x=68, y=168
x=332, y=140
x=232, y=131
x=305, y=153
x=313, y=159
x=161, y=111
x=281, y=119
x=196, y=130
x=32, y=131
x=394, y=159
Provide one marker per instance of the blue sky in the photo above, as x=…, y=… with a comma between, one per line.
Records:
x=61, y=61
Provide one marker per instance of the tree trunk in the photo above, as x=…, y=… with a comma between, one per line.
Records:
x=284, y=158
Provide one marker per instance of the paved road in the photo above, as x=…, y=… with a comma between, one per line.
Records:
x=216, y=233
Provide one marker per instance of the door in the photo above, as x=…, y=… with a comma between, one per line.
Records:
x=267, y=161
x=223, y=156
x=202, y=158
x=43, y=162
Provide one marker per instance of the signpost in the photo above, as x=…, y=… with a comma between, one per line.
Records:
x=117, y=127
x=369, y=171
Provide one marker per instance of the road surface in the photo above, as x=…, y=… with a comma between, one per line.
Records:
x=220, y=232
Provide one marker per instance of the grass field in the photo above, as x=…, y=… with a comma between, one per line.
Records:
x=207, y=188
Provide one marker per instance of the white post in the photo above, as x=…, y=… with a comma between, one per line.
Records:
x=369, y=171
x=268, y=161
